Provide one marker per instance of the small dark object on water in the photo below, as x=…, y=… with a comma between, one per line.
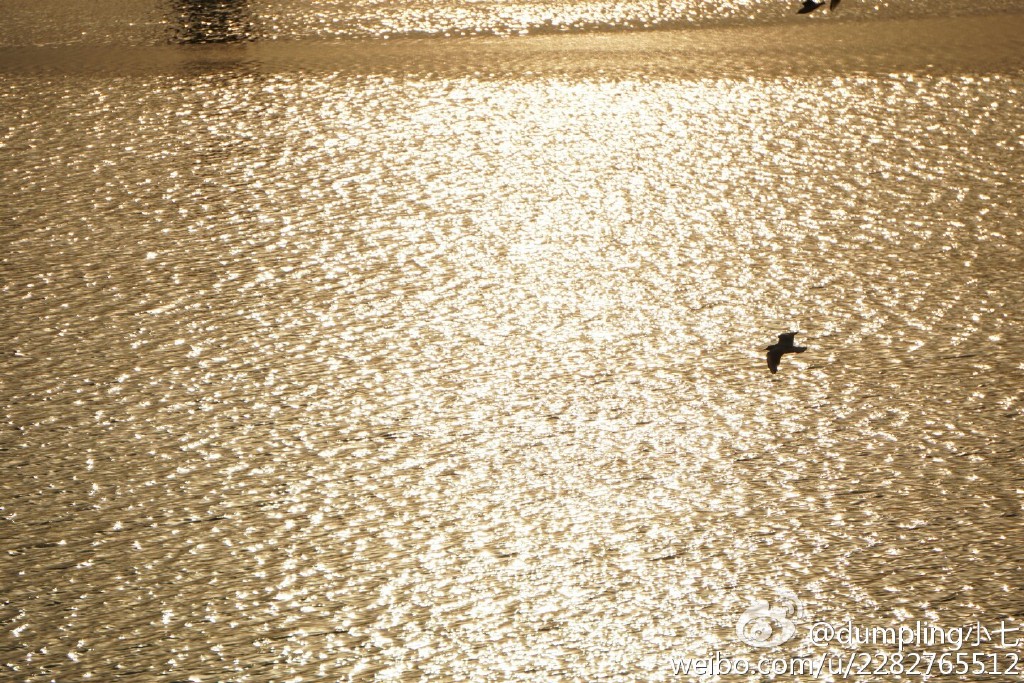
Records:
x=785, y=345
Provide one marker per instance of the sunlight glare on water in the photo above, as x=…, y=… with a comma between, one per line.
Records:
x=317, y=374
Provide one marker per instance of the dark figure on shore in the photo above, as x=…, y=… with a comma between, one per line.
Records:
x=785, y=345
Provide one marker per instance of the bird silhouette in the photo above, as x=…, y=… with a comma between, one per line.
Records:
x=810, y=6
x=785, y=345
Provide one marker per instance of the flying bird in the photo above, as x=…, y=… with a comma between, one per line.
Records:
x=785, y=345
x=810, y=6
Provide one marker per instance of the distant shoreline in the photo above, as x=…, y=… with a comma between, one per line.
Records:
x=975, y=44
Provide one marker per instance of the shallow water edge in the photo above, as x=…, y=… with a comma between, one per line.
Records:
x=988, y=44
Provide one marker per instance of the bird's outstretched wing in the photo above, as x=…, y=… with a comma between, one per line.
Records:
x=773, y=360
x=809, y=6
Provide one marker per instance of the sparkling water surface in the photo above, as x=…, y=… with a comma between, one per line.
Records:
x=443, y=359
x=145, y=22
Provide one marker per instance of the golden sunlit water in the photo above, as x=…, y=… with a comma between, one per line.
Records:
x=334, y=358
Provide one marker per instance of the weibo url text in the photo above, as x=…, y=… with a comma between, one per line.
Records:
x=849, y=665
